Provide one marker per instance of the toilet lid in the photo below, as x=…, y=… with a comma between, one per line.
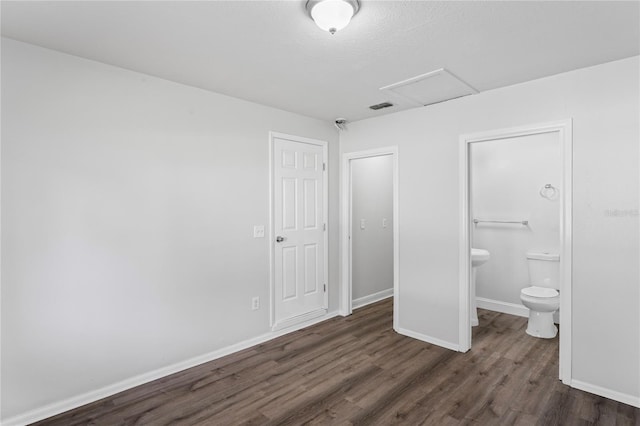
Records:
x=540, y=291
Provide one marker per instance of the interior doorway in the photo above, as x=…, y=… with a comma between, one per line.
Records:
x=369, y=231
x=556, y=132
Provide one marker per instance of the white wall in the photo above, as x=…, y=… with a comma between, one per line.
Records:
x=604, y=104
x=506, y=178
x=128, y=206
x=372, y=247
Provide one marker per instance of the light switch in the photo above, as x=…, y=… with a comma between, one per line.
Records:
x=384, y=222
x=258, y=231
x=361, y=223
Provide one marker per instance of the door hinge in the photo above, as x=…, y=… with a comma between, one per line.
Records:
x=324, y=166
x=324, y=226
x=325, y=288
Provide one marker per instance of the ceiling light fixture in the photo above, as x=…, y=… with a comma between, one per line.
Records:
x=332, y=15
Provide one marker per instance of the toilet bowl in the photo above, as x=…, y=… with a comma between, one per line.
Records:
x=542, y=298
x=542, y=303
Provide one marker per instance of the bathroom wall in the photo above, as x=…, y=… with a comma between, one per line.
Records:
x=506, y=178
x=372, y=241
x=603, y=102
x=128, y=206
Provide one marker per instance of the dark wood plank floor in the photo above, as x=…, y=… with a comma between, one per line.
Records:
x=358, y=371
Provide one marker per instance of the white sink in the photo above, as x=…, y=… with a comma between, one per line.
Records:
x=479, y=256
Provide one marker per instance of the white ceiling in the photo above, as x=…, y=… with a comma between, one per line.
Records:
x=271, y=53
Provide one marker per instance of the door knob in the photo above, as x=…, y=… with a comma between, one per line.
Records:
x=280, y=239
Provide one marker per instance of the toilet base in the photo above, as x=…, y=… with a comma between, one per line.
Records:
x=541, y=325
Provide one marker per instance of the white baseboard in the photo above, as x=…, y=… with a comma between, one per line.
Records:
x=95, y=395
x=428, y=339
x=607, y=393
x=372, y=298
x=504, y=307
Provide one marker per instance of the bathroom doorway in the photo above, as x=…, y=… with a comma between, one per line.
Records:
x=369, y=234
x=515, y=188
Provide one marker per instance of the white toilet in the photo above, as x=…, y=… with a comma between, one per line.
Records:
x=543, y=297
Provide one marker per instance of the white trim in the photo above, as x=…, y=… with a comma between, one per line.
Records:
x=325, y=195
x=428, y=339
x=346, y=304
x=566, y=247
x=464, y=266
x=607, y=393
x=503, y=307
x=372, y=298
x=106, y=391
x=564, y=130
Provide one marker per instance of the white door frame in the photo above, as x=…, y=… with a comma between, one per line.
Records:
x=345, y=228
x=564, y=130
x=325, y=196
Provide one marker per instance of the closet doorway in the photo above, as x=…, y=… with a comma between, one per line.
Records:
x=369, y=231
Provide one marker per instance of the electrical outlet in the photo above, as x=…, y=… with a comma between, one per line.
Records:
x=258, y=231
x=255, y=303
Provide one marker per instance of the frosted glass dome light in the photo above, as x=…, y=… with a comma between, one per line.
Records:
x=332, y=15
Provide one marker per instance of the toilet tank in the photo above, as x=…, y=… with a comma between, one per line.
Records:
x=544, y=269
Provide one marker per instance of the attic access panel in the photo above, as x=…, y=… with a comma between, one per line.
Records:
x=430, y=88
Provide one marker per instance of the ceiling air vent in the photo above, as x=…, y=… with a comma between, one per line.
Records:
x=380, y=106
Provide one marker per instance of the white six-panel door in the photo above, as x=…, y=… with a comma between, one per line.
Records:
x=299, y=285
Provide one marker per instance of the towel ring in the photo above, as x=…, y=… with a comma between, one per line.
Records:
x=549, y=192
